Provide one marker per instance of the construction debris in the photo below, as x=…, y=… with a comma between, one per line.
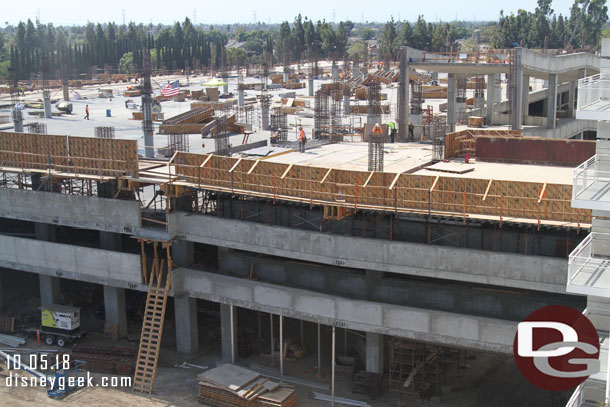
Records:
x=237, y=386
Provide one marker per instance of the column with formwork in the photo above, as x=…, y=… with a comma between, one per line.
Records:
x=228, y=332
x=451, y=101
x=551, y=114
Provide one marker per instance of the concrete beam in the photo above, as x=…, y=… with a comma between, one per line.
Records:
x=50, y=290
x=511, y=270
x=228, y=332
x=449, y=329
x=374, y=353
x=115, y=308
x=111, y=215
x=73, y=262
x=551, y=114
x=187, y=330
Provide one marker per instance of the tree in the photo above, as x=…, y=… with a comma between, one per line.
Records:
x=298, y=38
x=340, y=40
x=357, y=51
x=126, y=63
x=421, y=36
x=367, y=34
x=388, y=37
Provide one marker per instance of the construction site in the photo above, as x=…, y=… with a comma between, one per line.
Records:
x=200, y=256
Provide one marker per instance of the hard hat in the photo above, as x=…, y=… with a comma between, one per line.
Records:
x=377, y=124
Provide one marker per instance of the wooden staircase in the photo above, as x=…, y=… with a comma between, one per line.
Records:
x=159, y=283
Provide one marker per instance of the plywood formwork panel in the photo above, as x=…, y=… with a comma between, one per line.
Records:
x=383, y=191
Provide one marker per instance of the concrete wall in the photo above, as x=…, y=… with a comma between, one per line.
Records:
x=73, y=262
x=418, y=324
x=508, y=270
x=111, y=215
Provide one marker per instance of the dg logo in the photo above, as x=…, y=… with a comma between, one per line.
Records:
x=556, y=348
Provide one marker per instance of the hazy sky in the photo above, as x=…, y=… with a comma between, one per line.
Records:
x=68, y=12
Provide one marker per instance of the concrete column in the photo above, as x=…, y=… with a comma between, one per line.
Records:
x=66, y=92
x=46, y=97
x=517, y=98
x=551, y=113
x=240, y=96
x=183, y=253
x=346, y=106
x=356, y=70
x=571, y=98
x=115, y=309
x=49, y=290
x=525, y=96
x=374, y=352
x=228, y=332
x=310, y=85
x=187, y=332
x=335, y=71
x=497, y=89
x=110, y=241
x=45, y=231
x=265, y=117
x=17, y=120
x=286, y=76
x=403, y=99
x=491, y=89
x=372, y=279
x=451, y=101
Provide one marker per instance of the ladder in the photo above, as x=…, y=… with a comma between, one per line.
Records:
x=154, y=315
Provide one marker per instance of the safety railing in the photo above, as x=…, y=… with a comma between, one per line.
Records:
x=587, y=264
x=594, y=93
x=590, y=179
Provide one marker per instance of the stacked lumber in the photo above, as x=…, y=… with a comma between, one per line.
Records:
x=190, y=122
x=231, y=385
x=106, y=359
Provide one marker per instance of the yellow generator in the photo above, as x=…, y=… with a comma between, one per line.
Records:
x=60, y=324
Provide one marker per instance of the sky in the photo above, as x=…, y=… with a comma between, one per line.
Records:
x=71, y=12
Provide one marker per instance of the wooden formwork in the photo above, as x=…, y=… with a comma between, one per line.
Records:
x=78, y=155
x=382, y=191
x=463, y=142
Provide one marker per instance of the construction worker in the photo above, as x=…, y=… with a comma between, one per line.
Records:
x=302, y=140
x=377, y=130
x=392, y=127
x=411, y=128
x=86, y=112
x=275, y=139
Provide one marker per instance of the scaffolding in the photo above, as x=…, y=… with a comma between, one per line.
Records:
x=38, y=128
x=104, y=132
x=414, y=372
x=177, y=142
x=460, y=100
x=336, y=97
x=437, y=129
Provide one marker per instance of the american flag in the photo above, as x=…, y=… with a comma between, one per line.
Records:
x=171, y=89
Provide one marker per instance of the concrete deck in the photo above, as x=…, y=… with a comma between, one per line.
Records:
x=508, y=172
x=399, y=157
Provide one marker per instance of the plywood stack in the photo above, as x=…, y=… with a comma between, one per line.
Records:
x=231, y=385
